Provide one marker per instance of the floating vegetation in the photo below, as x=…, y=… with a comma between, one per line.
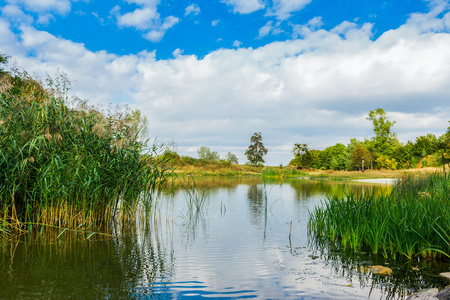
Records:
x=412, y=221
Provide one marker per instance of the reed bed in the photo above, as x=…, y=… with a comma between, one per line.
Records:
x=68, y=164
x=412, y=221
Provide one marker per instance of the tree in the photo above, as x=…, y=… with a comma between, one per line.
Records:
x=302, y=155
x=206, y=154
x=232, y=158
x=384, y=141
x=256, y=150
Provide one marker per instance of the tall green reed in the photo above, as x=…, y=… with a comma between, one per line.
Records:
x=67, y=163
x=413, y=220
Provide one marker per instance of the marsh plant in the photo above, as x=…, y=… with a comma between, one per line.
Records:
x=66, y=163
x=195, y=197
x=412, y=221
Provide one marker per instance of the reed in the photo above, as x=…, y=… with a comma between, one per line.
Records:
x=195, y=197
x=413, y=220
x=66, y=163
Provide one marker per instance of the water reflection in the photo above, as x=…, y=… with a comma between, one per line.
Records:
x=237, y=246
x=33, y=267
x=408, y=275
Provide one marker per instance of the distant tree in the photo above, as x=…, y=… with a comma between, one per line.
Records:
x=232, y=158
x=357, y=154
x=256, y=150
x=206, y=154
x=302, y=155
x=336, y=157
x=384, y=141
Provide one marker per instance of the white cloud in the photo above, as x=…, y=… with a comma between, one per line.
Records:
x=15, y=14
x=45, y=19
x=269, y=28
x=302, y=30
x=192, y=9
x=146, y=19
x=237, y=44
x=143, y=18
x=177, y=52
x=61, y=7
x=282, y=9
x=215, y=22
x=316, y=90
x=245, y=6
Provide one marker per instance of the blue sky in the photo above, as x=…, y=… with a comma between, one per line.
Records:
x=214, y=72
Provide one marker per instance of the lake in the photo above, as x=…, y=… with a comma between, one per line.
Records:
x=249, y=239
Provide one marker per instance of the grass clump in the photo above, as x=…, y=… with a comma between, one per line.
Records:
x=65, y=163
x=412, y=221
x=282, y=172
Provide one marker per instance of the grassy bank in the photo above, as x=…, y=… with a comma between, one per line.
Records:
x=227, y=169
x=414, y=220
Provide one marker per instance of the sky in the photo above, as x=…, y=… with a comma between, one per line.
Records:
x=213, y=72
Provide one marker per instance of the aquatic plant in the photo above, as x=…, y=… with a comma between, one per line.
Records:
x=195, y=197
x=66, y=163
x=413, y=220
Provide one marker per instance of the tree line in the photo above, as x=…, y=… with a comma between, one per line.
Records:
x=382, y=151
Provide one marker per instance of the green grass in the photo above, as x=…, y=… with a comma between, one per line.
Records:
x=413, y=220
x=282, y=172
x=69, y=164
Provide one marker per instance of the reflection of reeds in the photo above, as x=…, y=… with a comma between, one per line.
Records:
x=413, y=220
x=69, y=164
x=195, y=197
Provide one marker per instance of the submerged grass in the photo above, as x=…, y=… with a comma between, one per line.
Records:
x=413, y=220
x=67, y=164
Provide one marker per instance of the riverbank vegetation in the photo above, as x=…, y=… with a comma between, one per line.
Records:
x=383, y=151
x=412, y=221
x=65, y=163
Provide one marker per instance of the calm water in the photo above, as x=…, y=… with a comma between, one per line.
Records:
x=237, y=246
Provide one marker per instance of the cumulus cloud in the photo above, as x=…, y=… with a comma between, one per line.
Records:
x=283, y=9
x=317, y=89
x=142, y=18
x=192, y=9
x=269, y=28
x=146, y=19
x=15, y=14
x=215, y=22
x=245, y=6
x=61, y=7
x=237, y=44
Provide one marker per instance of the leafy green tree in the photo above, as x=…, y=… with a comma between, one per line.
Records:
x=231, y=158
x=357, y=153
x=206, y=154
x=336, y=157
x=302, y=156
x=256, y=150
x=425, y=145
x=384, y=140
